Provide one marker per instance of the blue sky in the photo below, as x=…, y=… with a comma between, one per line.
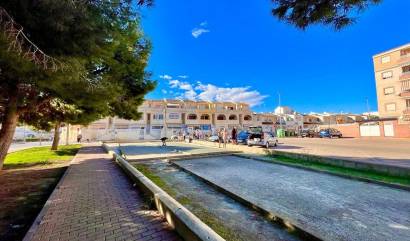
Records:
x=220, y=50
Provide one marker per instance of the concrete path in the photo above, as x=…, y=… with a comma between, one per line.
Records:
x=96, y=201
x=329, y=207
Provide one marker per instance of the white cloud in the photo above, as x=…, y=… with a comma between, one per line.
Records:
x=164, y=91
x=209, y=92
x=183, y=76
x=198, y=31
x=165, y=76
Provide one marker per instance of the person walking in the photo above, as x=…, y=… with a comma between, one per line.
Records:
x=220, y=137
x=234, y=136
x=225, y=137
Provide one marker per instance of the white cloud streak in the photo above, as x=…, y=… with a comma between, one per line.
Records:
x=210, y=92
x=198, y=31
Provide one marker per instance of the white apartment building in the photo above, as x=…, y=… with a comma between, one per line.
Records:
x=172, y=117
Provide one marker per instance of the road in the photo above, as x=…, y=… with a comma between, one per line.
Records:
x=20, y=146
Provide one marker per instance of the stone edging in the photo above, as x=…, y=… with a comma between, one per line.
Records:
x=186, y=224
x=34, y=227
x=363, y=179
x=358, y=165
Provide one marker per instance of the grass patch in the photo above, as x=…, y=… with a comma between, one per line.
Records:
x=40, y=156
x=368, y=174
x=203, y=214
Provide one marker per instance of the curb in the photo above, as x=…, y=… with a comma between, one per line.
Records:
x=362, y=179
x=34, y=227
x=273, y=217
x=358, y=165
x=186, y=224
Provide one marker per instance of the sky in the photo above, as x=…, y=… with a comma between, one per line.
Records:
x=237, y=51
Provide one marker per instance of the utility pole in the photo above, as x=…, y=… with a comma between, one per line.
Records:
x=368, y=108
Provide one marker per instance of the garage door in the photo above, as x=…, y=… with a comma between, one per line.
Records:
x=388, y=129
x=369, y=130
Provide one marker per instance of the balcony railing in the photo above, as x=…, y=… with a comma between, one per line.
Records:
x=405, y=76
x=406, y=114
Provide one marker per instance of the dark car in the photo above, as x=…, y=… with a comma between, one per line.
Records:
x=242, y=137
x=308, y=133
x=330, y=133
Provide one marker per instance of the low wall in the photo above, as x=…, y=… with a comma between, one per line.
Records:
x=186, y=224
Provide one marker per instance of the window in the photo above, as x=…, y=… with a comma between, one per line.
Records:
x=221, y=117
x=406, y=69
x=192, y=117
x=388, y=91
x=230, y=108
x=247, y=118
x=205, y=117
x=408, y=103
x=233, y=117
x=158, y=116
x=391, y=107
x=173, y=116
x=385, y=59
x=387, y=75
x=172, y=106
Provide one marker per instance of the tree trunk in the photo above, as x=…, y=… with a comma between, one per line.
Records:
x=56, y=139
x=8, y=127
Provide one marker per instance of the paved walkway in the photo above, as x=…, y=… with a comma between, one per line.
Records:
x=96, y=201
x=330, y=207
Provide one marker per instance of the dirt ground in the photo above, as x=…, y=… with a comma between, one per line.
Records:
x=23, y=192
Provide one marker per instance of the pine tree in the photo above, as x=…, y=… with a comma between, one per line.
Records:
x=97, y=62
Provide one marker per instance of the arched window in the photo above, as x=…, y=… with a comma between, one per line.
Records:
x=233, y=117
x=248, y=118
x=221, y=117
x=192, y=117
x=204, y=117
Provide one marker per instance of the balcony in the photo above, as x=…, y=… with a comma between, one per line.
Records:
x=405, y=76
x=406, y=114
x=405, y=88
x=405, y=58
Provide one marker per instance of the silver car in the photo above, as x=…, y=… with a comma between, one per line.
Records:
x=259, y=138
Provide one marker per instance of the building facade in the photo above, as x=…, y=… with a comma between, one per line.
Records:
x=175, y=117
x=392, y=74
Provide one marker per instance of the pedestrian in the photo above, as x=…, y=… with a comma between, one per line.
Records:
x=234, y=137
x=225, y=137
x=79, y=137
x=220, y=137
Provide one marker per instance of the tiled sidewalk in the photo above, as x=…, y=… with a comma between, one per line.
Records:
x=96, y=201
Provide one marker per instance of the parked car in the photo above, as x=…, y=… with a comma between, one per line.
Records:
x=242, y=137
x=330, y=133
x=213, y=138
x=259, y=138
x=308, y=133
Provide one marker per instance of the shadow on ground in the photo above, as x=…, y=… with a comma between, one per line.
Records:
x=23, y=192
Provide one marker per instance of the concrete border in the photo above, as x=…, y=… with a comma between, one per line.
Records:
x=362, y=179
x=355, y=164
x=186, y=224
x=381, y=168
x=273, y=217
